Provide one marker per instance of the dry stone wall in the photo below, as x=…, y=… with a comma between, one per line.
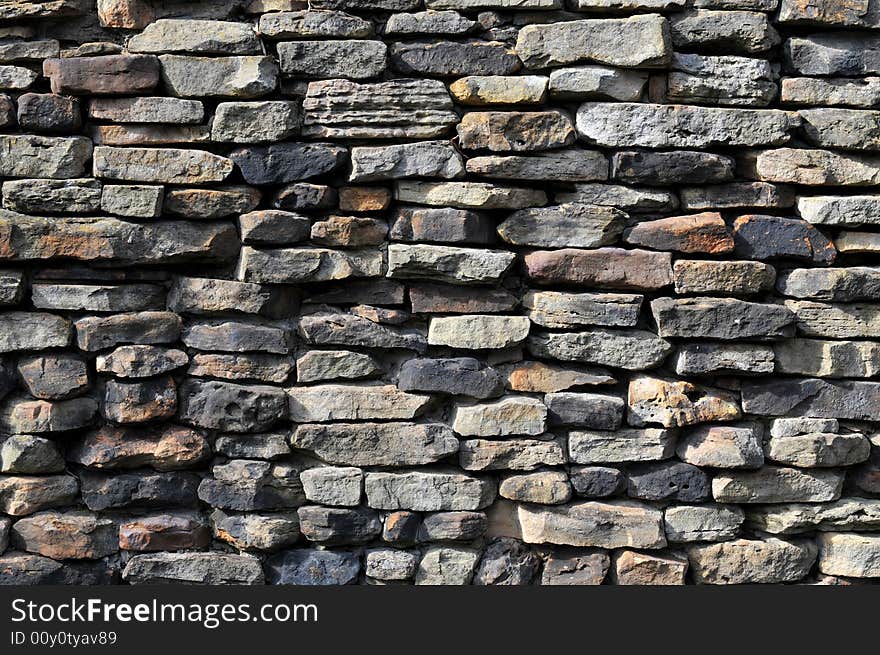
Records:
x=439, y=292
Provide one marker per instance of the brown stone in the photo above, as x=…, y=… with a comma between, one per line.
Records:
x=674, y=403
x=69, y=535
x=515, y=131
x=113, y=74
x=609, y=268
x=165, y=448
x=631, y=567
x=137, y=402
x=364, y=199
x=705, y=233
x=166, y=531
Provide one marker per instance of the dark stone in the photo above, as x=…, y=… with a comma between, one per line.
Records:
x=597, y=481
x=313, y=567
x=45, y=112
x=287, y=162
x=767, y=237
x=668, y=481
x=460, y=376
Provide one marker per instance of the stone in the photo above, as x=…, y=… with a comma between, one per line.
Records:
x=751, y=561
x=612, y=524
x=445, y=225
x=352, y=59
x=618, y=446
x=842, y=128
x=817, y=167
x=28, y=569
x=140, y=488
x=76, y=196
x=593, y=82
x=421, y=159
x=558, y=44
x=26, y=155
x=819, y=449
x=453, y=59
x=428, y=491
x=597, y=481
x=510, y=454
x=304, y=566
x=447, y=263
x=243, y=77
x=302, y=195
x=211, y=568
x=317, y=365
x=338, y=402
x=193, y=295
x=835, y=321
x=273, y=227
x=847, y=554
x=258, y=367
x=112, y=74
x=333, y=485
x=452, y=526
x=138, y=402
x=702, y=233
x=428, y=22
x=156, y=109
x=511, y=415
x=237, y=336
x=634, y=350
x=837, y=284
x=792, y=427
x=292, y=265
x=351, y=330
x=515, y=131
x=23, y=495
x=725, y=81
x=376, y=444
x=643, y=125
x=673, y=167
x=26, y=415
x=98, y=298
x=723, y=446
x=772, y=484
x=287, y=162
x=767, y=237
x=364, y=199
x=570, y=165
x=823, y=12
x=211, y=203
x=549, y=378
x=247, y=485
x=606, y=268
x=857, y=242
x=812, y=397
x=44, y=112
x=401, y=528
x=859, y=92
x=824, y=358
x=16, y=78
x=738, y=278
x=15, y=50
x=231, y=407
x=542, y=487
x=855, y=514
x=53, y=376
x=264, y=532
x=591, y=410
x=574, y=567
x=338, y=526
x=478, y=332
x=349, y=231
x=163, y=165
x=137, y=201
x=733, y=31
x=413, y=109
x=388, y=564
x=687, y=523
x=667, y=481
x=27, y=454
x=164, y=448
x=720, y=318
x=736, y=195
x=634, y=200
x=832, y=53
x=463, y=376
x=199, y=36
x=68, y=535
x=269, y=445
x=568, y=225
x=99, y=332
x=446, y=566
x=166, y=531
x=506, y=562
x=499, y=90
x=676, y=403
x=11, y=287
x=32, y=331
x=430, y=298
x=631, y=567
x=469, y=195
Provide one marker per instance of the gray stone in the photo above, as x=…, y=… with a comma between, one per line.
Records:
x=597, y=83
x=836, y=284
x=353, y=59
x=819, y=449
x=507, y=562
x=633, y=350
x=792, y=427
x=723, y=446
x=515, y=131
x=837, y=320
x=253, y=446
x=508, y=416
x=469, y=195
x=316, y=365
x=855, y=514
x=590, y=410
x=314, y=23
x=443, y=565
x=575, y=567
x=452, y=526
x=825, y=358
x=428, y=22
x=27, y=454
x=686, y=523
x=53, y=376
x=667, y=481
x=570, y=165
x=463, y=376
x=555, y=309
x=99, y=332
x=732, y=31
x=619, y=446
x=77, y=196
x=751, y=561
x=851, y=555
x=500, y=90
x=26, y=415
x=247, y=485
x=562, y=226
x=428, y=491
x=199, y=36
x=287, y=162
x=137, y=201
x=858, y=92
x=772, y=484
x=16, y=78
x=673, y=167
x=444, y=225
x=255, y=122
x=478, y=332
x=622, y=197
x=811, y=397
x=720, y=318
x=736, y=195
x=833, y=53
x=351, y=330
x=332, y=485
x=212, y=568
x=219, y=77
x=26, y=155
x=453, y=59
x=231, y=407
x=333, y=526
x=597, y=481
x=510, y=454
x=313, y=567
x=236, y=336
x=723, y=278
x=266, y=532
x=422, y=159
x=147, y=110
x=141, y=488
x=98, y=298
x=11, y=287
x=817, y=167
x=32, y=331
x=725, y=81
x=305, y=264
x=162, y=165
x=389, y=564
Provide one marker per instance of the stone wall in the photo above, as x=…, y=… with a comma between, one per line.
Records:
x=443, y=292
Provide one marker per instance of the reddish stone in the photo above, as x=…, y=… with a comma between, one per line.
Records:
x=609, y=268
x=112, y=74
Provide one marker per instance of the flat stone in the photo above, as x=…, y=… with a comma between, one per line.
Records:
x=305, y=566
x=723, y=446
x=455, y=376
x=140, y=488
x=231, y=407
x=857, y=242
x=434, y=298
x=428, y=491
x=27, y=454
x=548, y=378
x=751, y=561
x=448, y=58
x=422, y=159
x=211, y=568
x=702, y=233
x=792, y=427
x=570, y=165
x=26, y=155
x=605, y=268
x=510, y=454
x=138, y=402
x=32, y=331
x=351, y=59
x=614, y=524
x=736, y=195
x=99, y=332
x=835, y=320
x=199, y=36
x=68, y=535
x=414, y=109
x=819, y=449
x=295, y=265
x=194, y=295
x=313, y=23
x=147, y=135
x=442, y=224
x=112, y=74
x=287, y=162
x=833, y=53
x=812, y=397
x=469, y=195
x=165, y=448
x=720, y=318
x=618, y=446
x=631, y=567
x=855, y=514
x=597, y=481
x=29, y=569
x=336, y=526
x=452, y=526
x=837, y=284
x=236, y=336
x=557, y=309
x=558, y=44
x=842, y=128
x=852, y=555
x=247, y=485
x=165, y=531
x=768, y=237
x=499, y=90
x=259, y=367
x=633, y=350
x=676, y=403
x=98, y=298
x=334, y=402
x=823, y=358
x=627, y=125
x=837, y=210
x=515, y=131
x=667, y=481
x=163, y=165
x=76, y=196
x=137, y=201
x=445, y=566
x=273, y=227
x=592, y=82
x=351, y=330
x=316, y=365
x=333, y=485
x=823, y=12
x=561, y=226
x=26, y=415
x=511, y=415
x=387, y=564
x=860, y=92
x=772, y=484
x=725, y=81
x=16, y=78
x=507, y=562
x=23, y=495
x=732, y=31
x=634, y=200
x=147, y=110
x=477, y=332
x=46, y=112
x=817, y=167
x=575, y=567
x=687, y=523
x=723, y=278
x=219, y=77
x=590, y=410
x=269, y=445
x=674, y=167
x=11, y=287
x=428, y=22
x=53, y=376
